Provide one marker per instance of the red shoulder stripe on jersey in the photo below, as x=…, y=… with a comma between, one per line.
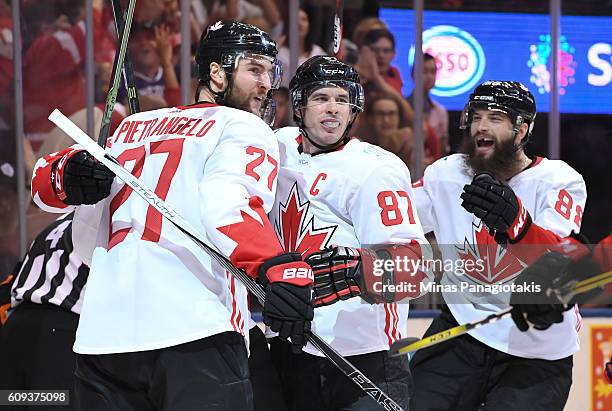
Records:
x=41, y=180
x=256, y=241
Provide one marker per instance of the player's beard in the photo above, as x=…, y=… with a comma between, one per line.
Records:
x=504, y=162
x=241, y=101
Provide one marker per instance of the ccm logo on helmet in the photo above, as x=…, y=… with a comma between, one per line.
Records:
x=331, y=72
x=291, y=273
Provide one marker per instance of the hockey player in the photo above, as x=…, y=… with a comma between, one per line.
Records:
x=337, y=190
x=482, y=206
x=162, y=325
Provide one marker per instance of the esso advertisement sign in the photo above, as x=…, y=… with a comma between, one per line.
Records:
x=471, y=47
x=600, y=57
x=459, y=58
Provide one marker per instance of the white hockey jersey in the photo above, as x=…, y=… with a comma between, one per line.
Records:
x=554, y=194
x=356, y=196
x=151, y=286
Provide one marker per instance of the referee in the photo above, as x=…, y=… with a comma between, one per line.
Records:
x=36, y=340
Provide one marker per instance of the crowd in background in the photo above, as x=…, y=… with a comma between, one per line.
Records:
x=53, y=55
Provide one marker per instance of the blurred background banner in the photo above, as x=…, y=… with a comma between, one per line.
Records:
x=471, y=47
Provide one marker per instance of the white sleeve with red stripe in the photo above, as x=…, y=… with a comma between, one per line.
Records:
x=43, y=193
x=239, y=185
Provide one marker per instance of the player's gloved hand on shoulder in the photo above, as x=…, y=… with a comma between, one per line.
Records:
x=544, y=308
x=337, y=274
x=495, y=203
x=341, y=273
x=288, y=309
x=78, y=178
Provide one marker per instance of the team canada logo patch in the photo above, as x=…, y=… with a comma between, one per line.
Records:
x=215, y=26
x=500, y=266
x=295, y=226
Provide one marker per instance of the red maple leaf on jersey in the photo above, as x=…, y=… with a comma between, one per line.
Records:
x=296, y=229
x=499, y=264
x=254, y=237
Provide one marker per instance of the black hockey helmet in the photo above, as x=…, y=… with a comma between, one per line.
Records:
x=509, y=97
x=224, y=42
x=323, y=71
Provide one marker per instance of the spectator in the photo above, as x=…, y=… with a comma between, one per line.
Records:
x=387, y=126
x=307, y=48
x=281, y=99
x=53, y=62
x=436, y=116
x=382, y=43
x=209, y=11
x=154, y=74
x=258, y=21
x=364, y=27
x=148, y=13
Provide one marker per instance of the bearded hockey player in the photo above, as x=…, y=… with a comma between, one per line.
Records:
x=497, y=204
x=162, y=325
x=336, y=190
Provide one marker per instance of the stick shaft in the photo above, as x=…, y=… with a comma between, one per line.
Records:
x=577, y=288
x=111, y=98
x=127, y=69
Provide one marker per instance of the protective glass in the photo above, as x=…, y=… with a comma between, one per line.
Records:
x=467, y=114
x=262, y=68
x=314, y=96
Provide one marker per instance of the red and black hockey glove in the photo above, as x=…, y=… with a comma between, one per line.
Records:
x=337, y=275
x=288, y=309
x=542, y=309
x=341, y=273
x=78, y=178
x=495, y=203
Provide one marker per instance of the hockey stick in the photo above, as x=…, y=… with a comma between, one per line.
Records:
x=338, y=27
x=111, y=98
x=412, y=344
x=127, y=69
x=183, y=225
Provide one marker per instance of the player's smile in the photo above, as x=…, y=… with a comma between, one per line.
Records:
x=331, y=125
x=485, y=145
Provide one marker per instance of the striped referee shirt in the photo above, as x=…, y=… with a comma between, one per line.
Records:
x=51, y=272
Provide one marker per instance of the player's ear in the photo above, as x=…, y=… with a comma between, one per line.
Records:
x=523, y=130
x=297, y=112
x=217, y=77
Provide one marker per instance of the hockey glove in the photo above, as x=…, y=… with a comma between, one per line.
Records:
x=288, y=309
x=337, y=275
x=550, y=272
x=78, y=178
x=495, y=203
x=344, y=272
